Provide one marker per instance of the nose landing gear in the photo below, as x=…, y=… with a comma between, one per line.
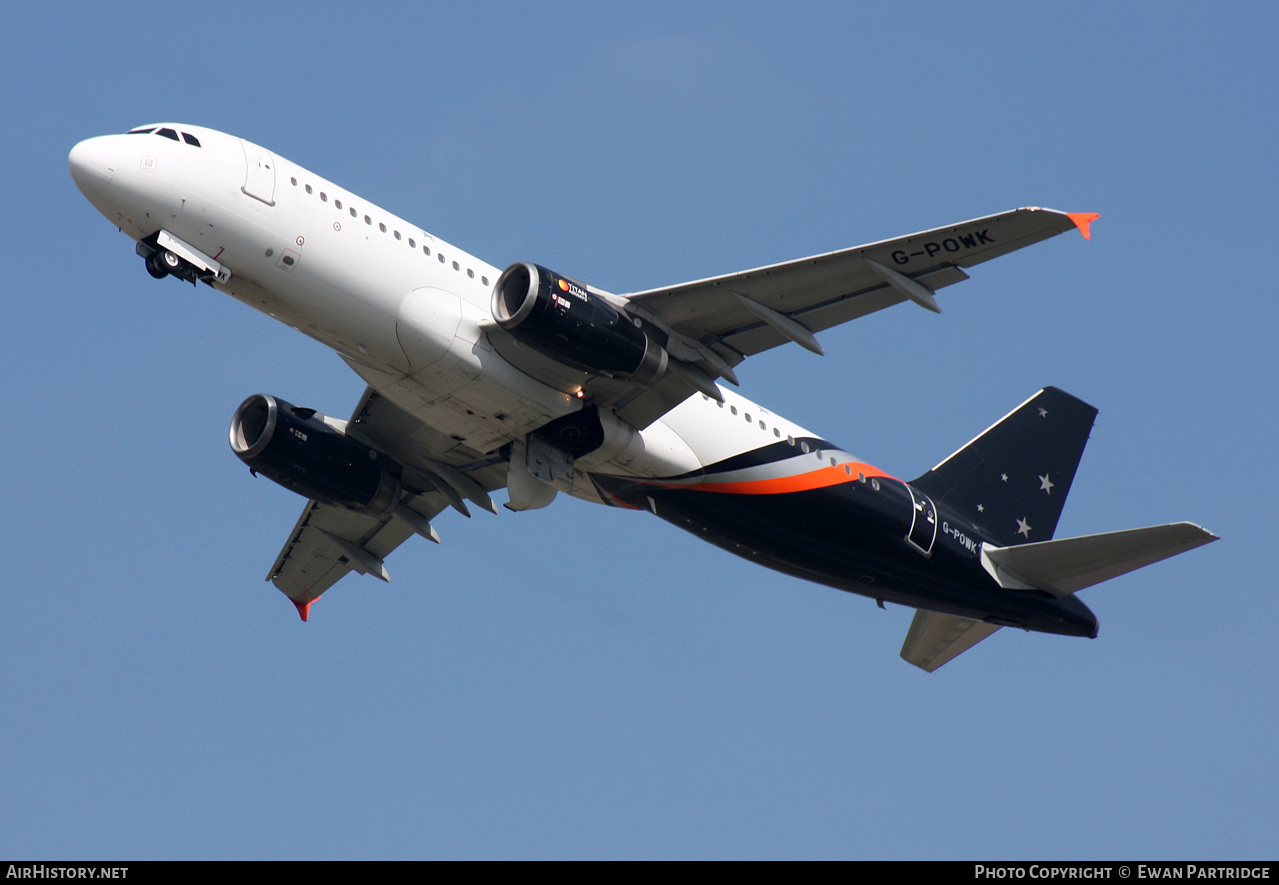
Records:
x=166, y=256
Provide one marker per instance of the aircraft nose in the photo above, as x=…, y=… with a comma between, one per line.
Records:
x=93, y=163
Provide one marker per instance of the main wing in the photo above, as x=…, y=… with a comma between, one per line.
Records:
x=329, y=541
x=825, y=290
x=741, y=314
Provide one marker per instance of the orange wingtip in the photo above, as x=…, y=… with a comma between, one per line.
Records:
x=1083, y=220
x=304, y=608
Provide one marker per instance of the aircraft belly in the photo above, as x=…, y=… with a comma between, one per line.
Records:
x=428, y=326
x=481, y=413
x=849, y=536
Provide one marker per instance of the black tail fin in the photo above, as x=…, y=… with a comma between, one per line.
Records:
x=1012, y=480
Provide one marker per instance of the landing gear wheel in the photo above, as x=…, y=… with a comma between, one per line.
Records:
x=162, y=262
x=155, y=266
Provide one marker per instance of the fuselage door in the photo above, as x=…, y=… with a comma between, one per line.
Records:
x=923, y=526
x=259, y=173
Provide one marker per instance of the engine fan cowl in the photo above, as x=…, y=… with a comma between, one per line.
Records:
x=296, y=448
x=568, y=322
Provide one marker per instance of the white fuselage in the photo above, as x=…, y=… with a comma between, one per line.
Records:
x=407, y=311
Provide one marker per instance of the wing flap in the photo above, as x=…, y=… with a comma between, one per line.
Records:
x=934, y=638
x=649, y=405
x=838, y=311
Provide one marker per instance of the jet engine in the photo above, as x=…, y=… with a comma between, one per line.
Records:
x=298, y=449
x=571, y=324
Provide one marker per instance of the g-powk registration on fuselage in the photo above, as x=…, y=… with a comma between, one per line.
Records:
x=526, y=379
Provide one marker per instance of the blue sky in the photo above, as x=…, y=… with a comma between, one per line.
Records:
x=583, y=682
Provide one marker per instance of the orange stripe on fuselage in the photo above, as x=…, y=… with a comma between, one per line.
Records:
x=821, y=478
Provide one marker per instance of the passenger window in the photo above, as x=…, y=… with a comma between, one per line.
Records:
x=455, y=267
x=484, y=280
x=470, y=273
x=337, y=204
x=412, y=245
x=293, y=181
x=440, y=255
x=353, y=212
x=381, y=227
x=397, y=234
x=426, y=250
x=324, y=198
x=308, y=189
x=368, y=220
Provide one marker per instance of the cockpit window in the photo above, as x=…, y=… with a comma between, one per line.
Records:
x=167, y=133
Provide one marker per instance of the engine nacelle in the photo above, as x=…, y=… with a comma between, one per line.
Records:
x=296, y=448
x=571, y=324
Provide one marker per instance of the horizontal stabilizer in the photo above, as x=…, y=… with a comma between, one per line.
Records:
x=933, y=639
x=1066, y=565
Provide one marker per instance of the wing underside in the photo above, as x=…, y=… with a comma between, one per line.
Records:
x=329, y=541
x=717, y=322
x=825, y=290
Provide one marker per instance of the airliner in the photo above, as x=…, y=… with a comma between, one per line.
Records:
x=526, y=379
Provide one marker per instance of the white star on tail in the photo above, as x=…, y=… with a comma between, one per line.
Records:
x=1023, y=528
x=1045, y=485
